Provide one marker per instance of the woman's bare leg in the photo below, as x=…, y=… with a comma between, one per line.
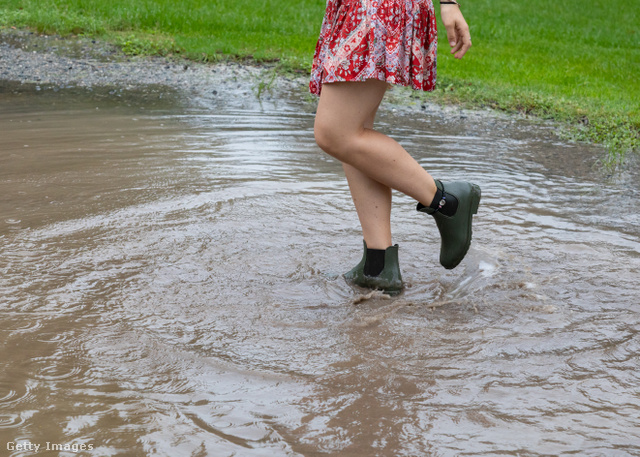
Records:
x=372, y=201
x=373, y=205
x=342, y=129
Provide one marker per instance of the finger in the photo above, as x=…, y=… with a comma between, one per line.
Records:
x=465, y=44
x=457, y=47
x=464, y=40
x=452, y=34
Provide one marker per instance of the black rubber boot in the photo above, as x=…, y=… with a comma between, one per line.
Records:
x=453, y=214
x=389, y=280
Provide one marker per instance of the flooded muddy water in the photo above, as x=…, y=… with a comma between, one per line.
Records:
x=170, y=285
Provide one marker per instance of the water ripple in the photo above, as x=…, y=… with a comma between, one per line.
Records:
x=177, y=278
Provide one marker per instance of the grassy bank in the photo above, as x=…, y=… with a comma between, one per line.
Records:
x=574, y=61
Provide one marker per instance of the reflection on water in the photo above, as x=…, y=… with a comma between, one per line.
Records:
x=170, y=282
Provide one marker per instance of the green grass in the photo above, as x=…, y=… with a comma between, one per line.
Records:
x=573, y=61
x=210, y=29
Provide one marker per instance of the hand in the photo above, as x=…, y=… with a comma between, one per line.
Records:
x=457, y=30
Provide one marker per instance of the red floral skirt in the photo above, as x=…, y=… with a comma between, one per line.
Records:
x=388, y=40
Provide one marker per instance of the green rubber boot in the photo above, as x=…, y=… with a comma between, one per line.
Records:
x=389, y=280
x=455, y=231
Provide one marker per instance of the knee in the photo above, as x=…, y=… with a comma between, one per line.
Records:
x=324, y=135
x=330, y=138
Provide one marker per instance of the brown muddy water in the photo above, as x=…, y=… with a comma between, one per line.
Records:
x=170, y=285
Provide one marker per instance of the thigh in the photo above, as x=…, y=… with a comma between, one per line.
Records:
x=347, y=107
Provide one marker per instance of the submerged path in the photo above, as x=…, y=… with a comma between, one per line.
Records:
x=170, y=260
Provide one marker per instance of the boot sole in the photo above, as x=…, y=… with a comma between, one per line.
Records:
x=476, y=195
